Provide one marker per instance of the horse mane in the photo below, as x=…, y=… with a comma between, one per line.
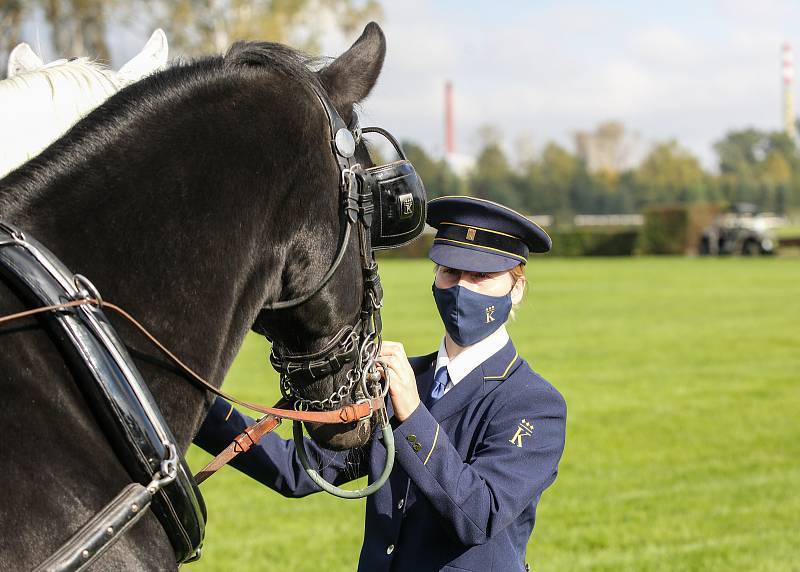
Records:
x=41, y=105
x=122, y=113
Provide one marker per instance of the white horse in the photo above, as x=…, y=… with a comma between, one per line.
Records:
x=39, y=102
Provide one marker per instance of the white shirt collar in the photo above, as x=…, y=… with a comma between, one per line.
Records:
x=472, y=356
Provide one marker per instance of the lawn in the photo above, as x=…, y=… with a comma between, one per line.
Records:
x=682, y=379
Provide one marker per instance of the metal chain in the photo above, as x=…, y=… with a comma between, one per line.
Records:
x=368, y=354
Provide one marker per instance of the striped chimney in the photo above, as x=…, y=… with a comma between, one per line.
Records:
x=789, y=119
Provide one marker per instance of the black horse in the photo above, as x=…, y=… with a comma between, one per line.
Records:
x=192, y=199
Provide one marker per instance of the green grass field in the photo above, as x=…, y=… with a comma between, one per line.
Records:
x=682, y=380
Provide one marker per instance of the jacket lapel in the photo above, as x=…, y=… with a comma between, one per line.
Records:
x=502, y=364
x=424, y=371
x=478, y=383
x=465, y=391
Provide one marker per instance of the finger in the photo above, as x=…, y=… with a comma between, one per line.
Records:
x=393, y=366
x=388, y=350
x=392, y=348
x=396, y=346
x=387, y=366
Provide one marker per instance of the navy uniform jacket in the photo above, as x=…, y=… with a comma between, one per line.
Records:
x=467, y=477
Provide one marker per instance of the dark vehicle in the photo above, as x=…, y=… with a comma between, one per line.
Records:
x=742, y=231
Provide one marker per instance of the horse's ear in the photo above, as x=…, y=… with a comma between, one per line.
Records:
x=152, y=58
x=349, y=78
x=23, y=59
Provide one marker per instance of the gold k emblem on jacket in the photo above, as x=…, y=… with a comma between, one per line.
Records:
x=524, y=429
x=490, y=314
x=470, y=234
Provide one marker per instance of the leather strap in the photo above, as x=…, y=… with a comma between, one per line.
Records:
x=346, y=414
x=241, y=444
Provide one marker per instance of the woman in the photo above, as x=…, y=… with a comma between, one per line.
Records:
x=479, y=434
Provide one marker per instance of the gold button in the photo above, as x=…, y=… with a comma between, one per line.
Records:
x=411, y=438
x=416, y=447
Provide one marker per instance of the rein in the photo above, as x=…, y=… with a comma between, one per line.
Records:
x=348, y=414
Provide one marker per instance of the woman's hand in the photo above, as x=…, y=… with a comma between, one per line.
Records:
x=402, y=381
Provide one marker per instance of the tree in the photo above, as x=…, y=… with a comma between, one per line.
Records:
x=194, y=27
x=12, y=13
x=77, y=27
x=493, y=178
x=670, y=174
x=608, y=148
x=759, y=167
x=553, y=180
x=200, y=26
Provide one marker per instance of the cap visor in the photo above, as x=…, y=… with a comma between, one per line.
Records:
x=471, y=260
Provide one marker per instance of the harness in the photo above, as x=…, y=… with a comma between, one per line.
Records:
x=127, y=411
x=120, y=401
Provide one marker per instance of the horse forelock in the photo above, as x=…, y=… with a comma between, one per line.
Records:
x=281, y=59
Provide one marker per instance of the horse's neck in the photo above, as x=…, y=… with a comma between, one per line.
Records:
x=184, y=255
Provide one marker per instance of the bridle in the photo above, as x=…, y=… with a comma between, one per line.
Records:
x=386, y=203
x=356, y=344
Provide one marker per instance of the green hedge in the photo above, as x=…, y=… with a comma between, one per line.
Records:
x=417, y=249
x=597, y=241
x=676, y=229
x=594, y=241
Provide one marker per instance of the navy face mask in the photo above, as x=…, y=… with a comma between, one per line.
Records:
x=468, y=316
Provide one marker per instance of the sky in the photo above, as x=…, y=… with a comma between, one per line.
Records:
x=541, y=70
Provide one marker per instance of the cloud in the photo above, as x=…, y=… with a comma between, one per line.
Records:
x=555, y=69
x=685, y=70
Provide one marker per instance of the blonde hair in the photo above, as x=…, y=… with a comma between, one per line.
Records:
x=519, y=272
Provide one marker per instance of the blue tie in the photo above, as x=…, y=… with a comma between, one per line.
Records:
x=440, y=380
